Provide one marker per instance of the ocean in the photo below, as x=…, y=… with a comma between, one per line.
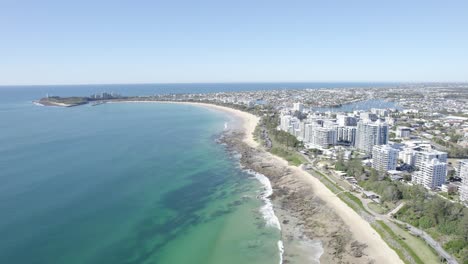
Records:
x=127, y=183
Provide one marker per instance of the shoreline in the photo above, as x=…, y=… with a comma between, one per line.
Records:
x=344, y=235
x=248, y=121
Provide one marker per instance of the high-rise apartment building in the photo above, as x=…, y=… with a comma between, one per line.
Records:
x=346, y=135
x=298, y=107
x=463, y=174
x=285, y=122
x=323, y=137
x=369, y=134
x=424, y=156
x=431, y=174
x=384, y=158
x=344, y=120
x=408, y=156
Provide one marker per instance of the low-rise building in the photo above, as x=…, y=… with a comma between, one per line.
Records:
x=403, y=132
x=449, y=188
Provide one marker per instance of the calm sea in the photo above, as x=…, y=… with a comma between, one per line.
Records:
x=126, y=183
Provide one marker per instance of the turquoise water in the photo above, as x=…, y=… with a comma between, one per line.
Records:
x=125, y=183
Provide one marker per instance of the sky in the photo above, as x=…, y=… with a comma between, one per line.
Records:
x=91, y=41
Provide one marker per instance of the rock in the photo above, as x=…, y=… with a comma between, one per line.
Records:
x=357, y=248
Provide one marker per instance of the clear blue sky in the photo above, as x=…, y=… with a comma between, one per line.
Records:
x=92, y=41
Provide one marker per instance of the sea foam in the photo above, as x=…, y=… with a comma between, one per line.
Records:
x=267, y=209
x=281, y=251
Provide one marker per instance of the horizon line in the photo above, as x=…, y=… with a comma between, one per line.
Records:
x=238, y=82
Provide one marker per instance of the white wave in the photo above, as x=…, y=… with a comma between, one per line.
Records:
x=267, y=209
x=38, y=104
x=281, y=251
x=237, y=156
x=225, y=125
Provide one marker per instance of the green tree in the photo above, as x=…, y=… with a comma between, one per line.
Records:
x=464, y=225
x=373, y=175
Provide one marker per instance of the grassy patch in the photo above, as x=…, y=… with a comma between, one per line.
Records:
x=397, y=243
x=418, y=245
x=327, y=182
x=356, y=201
x=350, y=199
x=377, y=208
x=290, y=155
x=68, y=100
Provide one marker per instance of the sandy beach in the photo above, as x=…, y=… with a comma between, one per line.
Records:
x=311, y=216
x=248, y=121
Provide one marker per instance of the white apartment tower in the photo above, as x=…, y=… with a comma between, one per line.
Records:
x=408, y=156
x=424, y=156
x=323, y=137
x=285, y=122
x=384, y=158
x=369, y=134
x=366, y=116
x=380, y=112
x=431, y=174
x=344, y=120
x=320, y=137
x=463, y=174
x=346, y=135
x=308, y=132
x=432, y=168
x=300, y=131
x=298, y=107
